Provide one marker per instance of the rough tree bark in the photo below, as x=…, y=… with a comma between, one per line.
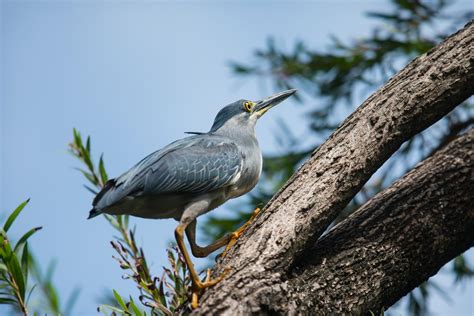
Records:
x=394, y=242
x=275, y=266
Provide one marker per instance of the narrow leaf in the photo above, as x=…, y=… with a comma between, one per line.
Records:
x=88, y=144
x=29, y=293
x=14, y=215
x=114, y=309
x=120, y=301
x=16, y=272
x=25, y=237
x=88, y=176
x=91, y=190
x=24, y=263
x=87, y=159
x=103, y=174
x=71, y=301
x=135, y=309
x=7, y=301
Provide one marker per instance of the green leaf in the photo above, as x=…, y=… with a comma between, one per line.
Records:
x=6, y=251
x=25, y=237
x=53, y=297
x=125, y=220
x=120, y=300
x=103, y=174
x=88, y=176
x=3, y=268
x=88, y=144
x=102, y=308
x=24, y=263
x=87, y=159
x=16, y=273
x=4, y=248
x=392, y=17
x=29, y=294
x=91, y=190
x=162, y=291
x=77, y=138
x=135, y=309
x=71, y=301
x=7, y=301
x=50, y=271
x=14, y=215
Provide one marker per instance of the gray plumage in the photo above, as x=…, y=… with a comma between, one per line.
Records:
x=224, y=163
x=192, y=176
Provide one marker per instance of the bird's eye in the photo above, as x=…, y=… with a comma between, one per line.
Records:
x=248, y=106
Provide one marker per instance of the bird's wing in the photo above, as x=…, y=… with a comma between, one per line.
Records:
x=200, y=163
x=207, y=165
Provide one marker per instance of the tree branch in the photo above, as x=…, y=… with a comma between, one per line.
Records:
x=423, y=92
x=394, y=242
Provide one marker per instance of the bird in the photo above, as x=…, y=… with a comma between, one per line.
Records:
x=192, y=176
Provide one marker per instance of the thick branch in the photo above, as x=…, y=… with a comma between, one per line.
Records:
x=397, y=240
x=419, y=95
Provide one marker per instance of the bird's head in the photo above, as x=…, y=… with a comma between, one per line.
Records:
x=243, y=114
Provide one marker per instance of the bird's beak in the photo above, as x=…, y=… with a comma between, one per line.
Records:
x=266, y=104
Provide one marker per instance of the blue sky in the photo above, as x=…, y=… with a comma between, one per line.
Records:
x=135, y=76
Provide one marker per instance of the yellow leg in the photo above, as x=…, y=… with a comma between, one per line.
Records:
x=195, y=294
x=201, y=252
x=235, y=235
x=197, y=284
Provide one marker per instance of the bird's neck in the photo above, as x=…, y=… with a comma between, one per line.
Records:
x=238, y=135
x=237, y=129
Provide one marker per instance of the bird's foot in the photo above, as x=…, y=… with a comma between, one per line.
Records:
x=235, y=235
x=199, y=285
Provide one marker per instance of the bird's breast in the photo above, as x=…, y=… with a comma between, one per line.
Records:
x=249, y=173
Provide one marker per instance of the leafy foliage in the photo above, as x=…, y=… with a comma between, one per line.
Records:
x=50, y=300
x=124, y=307
x=18, y=267
x=14, y=264
x=163, y=296
x=333, y=81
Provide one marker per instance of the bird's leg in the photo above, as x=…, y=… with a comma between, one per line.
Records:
x=195, y=294
x=235, y=235
x=201, y=252
x=189, y=216
x=197, y=284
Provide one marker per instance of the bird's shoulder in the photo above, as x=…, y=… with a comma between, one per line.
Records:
x=190, y=150
x=194, y=164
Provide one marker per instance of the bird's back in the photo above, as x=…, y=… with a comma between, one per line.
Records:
x=187, y=167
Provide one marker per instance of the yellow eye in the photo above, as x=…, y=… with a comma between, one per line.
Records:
x=248, y=106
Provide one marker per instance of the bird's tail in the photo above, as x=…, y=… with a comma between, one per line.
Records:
x=93, y=213
x=96, y=210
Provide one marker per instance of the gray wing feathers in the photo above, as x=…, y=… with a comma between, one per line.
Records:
x=200, y=168
x=135, y=175
x=193, y=165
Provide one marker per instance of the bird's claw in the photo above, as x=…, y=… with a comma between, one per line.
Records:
x=199, y=285
x=235, y=235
